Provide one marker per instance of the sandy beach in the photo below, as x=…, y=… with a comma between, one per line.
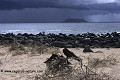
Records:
x=26, y=63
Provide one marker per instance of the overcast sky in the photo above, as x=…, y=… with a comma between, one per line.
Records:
x=59, y=10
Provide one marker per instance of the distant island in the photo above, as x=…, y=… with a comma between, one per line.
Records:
x=74, y=21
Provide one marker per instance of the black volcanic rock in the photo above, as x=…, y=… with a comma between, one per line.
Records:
x=108, y=40
x=87, y=49
x=74, y=20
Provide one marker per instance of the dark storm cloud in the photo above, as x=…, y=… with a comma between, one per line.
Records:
x=70, y=4
x=55, y=15
x=105, y=6
x=21, y=4
x=40, y=15
x=59, y=10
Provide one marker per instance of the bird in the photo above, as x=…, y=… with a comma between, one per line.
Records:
x=56, y=61
x=70, y=54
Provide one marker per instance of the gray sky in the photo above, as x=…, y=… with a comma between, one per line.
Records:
x=58, y=10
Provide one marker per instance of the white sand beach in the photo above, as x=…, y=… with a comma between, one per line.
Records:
x=26, y=62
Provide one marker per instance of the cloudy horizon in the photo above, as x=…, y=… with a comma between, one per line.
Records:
x=59, y=10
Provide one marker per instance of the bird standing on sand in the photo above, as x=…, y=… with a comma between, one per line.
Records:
x=70, y=54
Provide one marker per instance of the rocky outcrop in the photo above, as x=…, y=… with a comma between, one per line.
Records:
x=61, y=40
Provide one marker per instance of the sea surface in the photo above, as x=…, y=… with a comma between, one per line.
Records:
x=67, y=28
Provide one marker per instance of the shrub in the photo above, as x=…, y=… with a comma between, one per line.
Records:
x=17, y=49
x=105, y=62
x=41, y=49
x=72, y=73
x=16, y=46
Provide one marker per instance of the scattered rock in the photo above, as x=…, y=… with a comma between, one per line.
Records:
x=87, y=49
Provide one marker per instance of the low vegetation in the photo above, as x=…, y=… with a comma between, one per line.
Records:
x=105, y=62
x=66, y=72
x=16, y=46
x=34, y=50
x=19, y=49
x=78, y=71
x=72, y=73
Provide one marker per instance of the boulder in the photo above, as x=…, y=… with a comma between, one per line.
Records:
x=87, y=49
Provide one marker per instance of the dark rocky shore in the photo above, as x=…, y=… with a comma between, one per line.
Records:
x=108, y=40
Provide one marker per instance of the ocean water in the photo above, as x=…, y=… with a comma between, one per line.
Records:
x=67, y=28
